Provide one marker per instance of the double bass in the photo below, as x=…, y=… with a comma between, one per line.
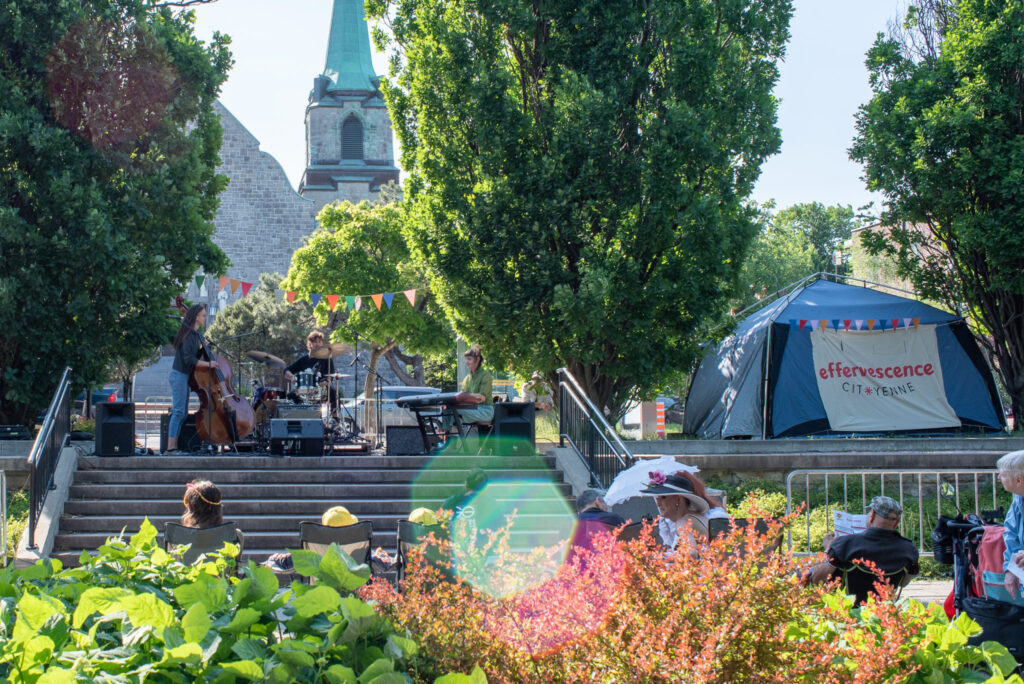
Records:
x=223, y=416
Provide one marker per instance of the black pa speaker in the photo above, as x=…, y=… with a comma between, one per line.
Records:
x=514, y=427
x=115, y=428
x=297, y=437
x=188, y=439
x=404, y=440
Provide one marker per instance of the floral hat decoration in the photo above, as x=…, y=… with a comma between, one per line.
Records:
x=660, y=484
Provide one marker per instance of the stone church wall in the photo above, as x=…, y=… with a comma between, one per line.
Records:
x=261, y=220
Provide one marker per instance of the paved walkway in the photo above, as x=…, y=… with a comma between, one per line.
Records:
x=928, y=591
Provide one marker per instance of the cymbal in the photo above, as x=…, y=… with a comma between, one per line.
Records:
x=266, y=358
x=329, y=351
x=337, y=376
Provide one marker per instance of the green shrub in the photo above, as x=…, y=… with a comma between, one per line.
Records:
x=135, y=613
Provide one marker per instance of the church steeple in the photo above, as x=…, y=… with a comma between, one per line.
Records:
x=349, y=149
x=349, y=66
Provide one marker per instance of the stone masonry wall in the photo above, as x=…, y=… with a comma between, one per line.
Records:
x=261, y=220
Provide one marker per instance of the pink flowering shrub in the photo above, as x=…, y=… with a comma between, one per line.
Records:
x=729, y=611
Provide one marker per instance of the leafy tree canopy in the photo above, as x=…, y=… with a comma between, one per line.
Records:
x=578, y=171
x=108, y=145
x=942, y=138
x=825, y=229
x=361, y=249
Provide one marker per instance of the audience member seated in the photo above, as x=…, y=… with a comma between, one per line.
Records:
x=337, y=516
x=715, y=508
x=423, y=516
x=683, y=512
x=475, y=481
x=1011, y=475
x=202, y=502
x=204, y=509
x=591, y=506
x=881, y=544
x=536, y=391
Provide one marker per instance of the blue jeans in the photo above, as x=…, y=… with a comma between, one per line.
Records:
x=179, y=402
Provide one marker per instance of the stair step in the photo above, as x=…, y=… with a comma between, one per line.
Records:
x=283, y=477
x=319, y=463
x=113, y=524
x=290, y=540
x=231, y=492
x=310, y=509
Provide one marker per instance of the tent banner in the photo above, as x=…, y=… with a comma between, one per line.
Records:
x=881, y=381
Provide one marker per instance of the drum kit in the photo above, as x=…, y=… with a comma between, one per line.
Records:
x=310, y=389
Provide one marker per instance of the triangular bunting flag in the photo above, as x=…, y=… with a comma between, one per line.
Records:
x=350, y=302
x=223, y=283
x=377, y=299
x=846, y=324
x=359, y=302
x=199, y=282
x=234, y=285
x=916, y=322
x=411, y=296
x=794, y=323
x=835, y=324
x=332, y=301
x=315, y=298
x=245, y=288
x=881, y=323
x=858, y=323
x=824, y=326
x=871, y=324
x=803, y=322
x=906, y=322
x=290, y=296
x=895, y=323
x=813, y=324
x=388, y=298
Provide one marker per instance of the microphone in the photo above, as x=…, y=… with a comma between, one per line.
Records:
x=354, y=359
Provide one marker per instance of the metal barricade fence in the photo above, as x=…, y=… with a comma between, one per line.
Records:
x=924, y=494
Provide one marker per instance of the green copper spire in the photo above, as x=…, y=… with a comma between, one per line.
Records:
x=349, y=66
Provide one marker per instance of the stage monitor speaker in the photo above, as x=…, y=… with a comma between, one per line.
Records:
x=514, y=428
x=115, y=428
x=404, y=440
x=188, y=439
x=297, y=437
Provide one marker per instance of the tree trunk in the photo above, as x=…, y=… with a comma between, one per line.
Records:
x=398, y=361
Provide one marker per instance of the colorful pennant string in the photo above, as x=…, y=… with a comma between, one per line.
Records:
x=290, y=296
x=315, y=298
x=332, y=301
x=377, y=299
x=199, y=281
x=388, y=298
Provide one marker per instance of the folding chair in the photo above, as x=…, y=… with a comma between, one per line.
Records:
x=720, y=526
x=860, y=581
x=355, y=540
x=411, y=535
x=206, y=540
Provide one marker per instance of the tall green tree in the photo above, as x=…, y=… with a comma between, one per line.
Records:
x=826, y=230
x=943, y=138
x=578, y=170
x=108, y=150
x=780, y=255
x=361, y=249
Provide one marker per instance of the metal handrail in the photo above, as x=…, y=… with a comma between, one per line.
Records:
x=596, y=415
x=585, y=429
x=46, y=450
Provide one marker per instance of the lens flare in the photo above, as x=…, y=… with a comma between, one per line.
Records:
x=110, y=83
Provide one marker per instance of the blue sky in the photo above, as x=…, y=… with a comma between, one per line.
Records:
x=280, y=47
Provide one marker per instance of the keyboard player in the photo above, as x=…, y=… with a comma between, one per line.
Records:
x=478, y=385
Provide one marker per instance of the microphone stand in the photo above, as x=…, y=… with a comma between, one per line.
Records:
x=378, y=384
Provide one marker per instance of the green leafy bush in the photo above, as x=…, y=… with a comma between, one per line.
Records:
x=135, y=613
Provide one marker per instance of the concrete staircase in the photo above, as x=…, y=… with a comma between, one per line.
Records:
x=268, y=496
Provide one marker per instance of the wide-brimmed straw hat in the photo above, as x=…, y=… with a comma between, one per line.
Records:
x=668, y=485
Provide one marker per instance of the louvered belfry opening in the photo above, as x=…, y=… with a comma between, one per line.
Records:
x=352, y=138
